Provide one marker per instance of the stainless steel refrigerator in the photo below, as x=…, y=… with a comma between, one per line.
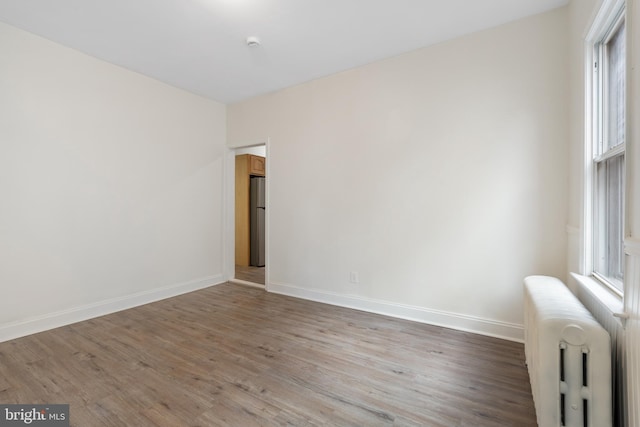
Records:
x=257, y=214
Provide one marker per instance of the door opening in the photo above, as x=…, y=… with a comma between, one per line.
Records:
x=250, y=215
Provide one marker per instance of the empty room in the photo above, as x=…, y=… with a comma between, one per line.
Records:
x=305, y=213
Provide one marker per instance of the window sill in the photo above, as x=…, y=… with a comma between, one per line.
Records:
x=612, y=301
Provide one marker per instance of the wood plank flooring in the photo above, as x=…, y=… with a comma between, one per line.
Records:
x=232, y=355
x=250, y=274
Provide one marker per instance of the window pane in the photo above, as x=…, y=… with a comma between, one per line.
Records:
x=615, y=58
x=610, y=225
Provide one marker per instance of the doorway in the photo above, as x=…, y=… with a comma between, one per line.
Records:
x=250, y=215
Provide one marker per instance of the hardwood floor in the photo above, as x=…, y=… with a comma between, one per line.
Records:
x=250, y=274
x=232, y=355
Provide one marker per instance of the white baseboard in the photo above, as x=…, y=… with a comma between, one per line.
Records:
x=462, y=322
x=45, y=322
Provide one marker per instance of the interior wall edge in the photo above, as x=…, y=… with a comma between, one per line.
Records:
x=457, y=321
x=54, y=320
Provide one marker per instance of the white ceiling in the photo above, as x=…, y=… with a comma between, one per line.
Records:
x=199, y=45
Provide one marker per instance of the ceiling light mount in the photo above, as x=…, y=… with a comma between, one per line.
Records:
x=253, y=41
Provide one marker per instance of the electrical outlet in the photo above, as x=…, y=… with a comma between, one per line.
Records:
x=353, y=277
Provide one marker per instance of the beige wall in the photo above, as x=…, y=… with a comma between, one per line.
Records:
x=440, y=176
x=581, y=13
x=111, y=184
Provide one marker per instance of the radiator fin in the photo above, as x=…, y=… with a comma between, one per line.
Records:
x=570, y=386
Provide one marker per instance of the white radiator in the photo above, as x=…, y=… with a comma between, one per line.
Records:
x=568, y=356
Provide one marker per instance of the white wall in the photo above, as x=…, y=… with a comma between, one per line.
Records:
x=111, y=186
x=440, y=176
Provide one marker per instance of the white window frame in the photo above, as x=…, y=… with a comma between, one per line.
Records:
x=609, y=16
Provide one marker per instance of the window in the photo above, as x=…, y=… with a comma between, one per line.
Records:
x=606, y=147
